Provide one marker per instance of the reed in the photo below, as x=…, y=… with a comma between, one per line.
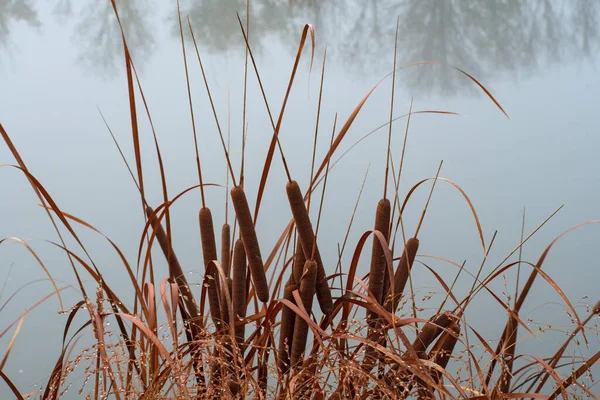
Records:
x=238, y=290
x=306, y=236
x=209, y=252
x=307, y=292
x=248, y=233
x=266, y=341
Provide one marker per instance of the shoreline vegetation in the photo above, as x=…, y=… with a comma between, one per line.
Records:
x=280, y=322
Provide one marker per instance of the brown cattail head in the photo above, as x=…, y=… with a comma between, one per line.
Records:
x=209, y=251
x=225, y=249
x=444, y=347
x=298, y=263
x=378, y=262
x=402, y=273
x=430, y=331
x=286, y=331
x=596, y=309
x=248, y=233
x=306, y=237
x=307, y=292
x=238, y=288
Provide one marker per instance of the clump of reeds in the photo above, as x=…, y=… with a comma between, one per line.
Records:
x=367, y=339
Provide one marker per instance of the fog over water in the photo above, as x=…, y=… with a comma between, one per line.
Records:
x=62, y=68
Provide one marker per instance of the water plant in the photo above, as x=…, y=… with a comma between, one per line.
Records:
x=275, y=324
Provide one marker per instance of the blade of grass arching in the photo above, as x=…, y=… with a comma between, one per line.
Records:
x=484, y=89
x=164, y=353
x=558, y=355
x=12, y=386
x=132, y=107
x=494, y=271
x=41, y=263
x=212, y=105
x=152, y=322
x=263, y=180
x=349, y=122
x=314, y=152
x=462, y=192
x=189, y=91
x=18, y=290
x=587, y=365
x=134, y=282
x=11, y=343
x=428, y=200
x=383, y=125
x=29, y=309
x=527, y=287
x=44, y=198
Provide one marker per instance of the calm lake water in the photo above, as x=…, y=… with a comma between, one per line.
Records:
x=62, y=64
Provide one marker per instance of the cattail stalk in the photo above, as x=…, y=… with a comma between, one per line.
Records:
x=306, y=237
x=226, y=248
x=286, y=331
x=248, y=233
x=209, y=251
x=238, y=289
x=298, y=263
x=307, y=292
x=402, y=273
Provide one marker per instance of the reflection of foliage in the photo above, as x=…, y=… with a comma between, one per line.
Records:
x=484, y=36
x=15, y=10
x=98, y=31
x=216, y=26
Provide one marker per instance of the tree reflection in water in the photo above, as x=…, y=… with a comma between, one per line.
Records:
x=489, y=38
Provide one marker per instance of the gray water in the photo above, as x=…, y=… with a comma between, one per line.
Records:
x=62, y=62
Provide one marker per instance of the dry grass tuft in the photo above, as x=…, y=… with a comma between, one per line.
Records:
x=371, y=337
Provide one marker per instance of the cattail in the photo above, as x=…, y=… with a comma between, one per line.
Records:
x=306, y=236
x=209, y=251
x=378, y=261
x=248, y=233
x=429, y=332
x=402, y=273
x=298, y=263
x=238, y=289
x=286, y=330
x=596, y=309
x=225, y=248
x=191, y=312
x=307, y=292
x=444, y=347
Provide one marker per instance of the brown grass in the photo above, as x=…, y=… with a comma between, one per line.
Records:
x=266, y=340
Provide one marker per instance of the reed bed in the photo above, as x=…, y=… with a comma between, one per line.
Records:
x=267, y=339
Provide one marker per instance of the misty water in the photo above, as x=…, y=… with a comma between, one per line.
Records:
x=62, y=70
